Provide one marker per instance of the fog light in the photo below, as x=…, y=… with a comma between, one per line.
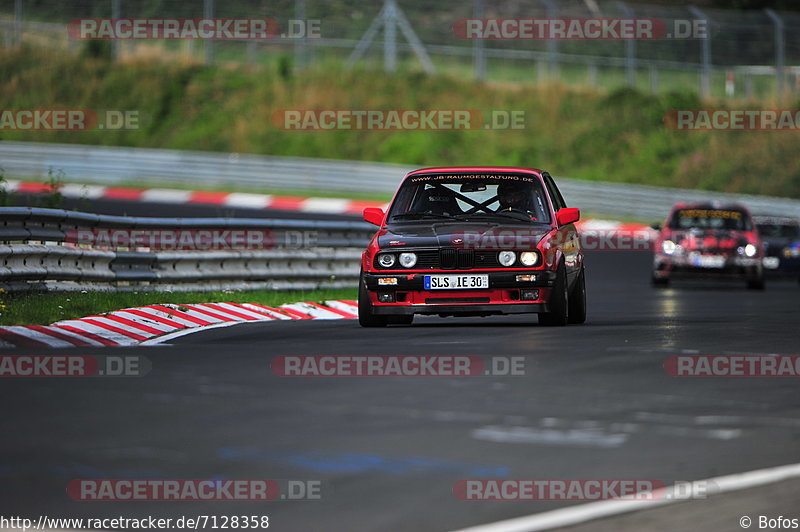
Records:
x=385, y=281
x=526, y=278
x=529, y=295
x=386, y=297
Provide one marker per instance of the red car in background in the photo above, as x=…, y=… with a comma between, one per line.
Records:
x=709, y=241
x=473, y=241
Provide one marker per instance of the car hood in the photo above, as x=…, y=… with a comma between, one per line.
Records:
x=461, y=234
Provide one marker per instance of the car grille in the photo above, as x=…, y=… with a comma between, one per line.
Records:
x=452, y=259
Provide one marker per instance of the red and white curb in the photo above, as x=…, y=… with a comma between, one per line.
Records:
x=154, y=324
x=259, y=201
x=226, y=199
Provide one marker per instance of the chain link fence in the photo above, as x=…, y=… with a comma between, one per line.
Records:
x=743, y=54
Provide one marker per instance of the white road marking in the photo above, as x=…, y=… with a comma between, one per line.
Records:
x=583, y=513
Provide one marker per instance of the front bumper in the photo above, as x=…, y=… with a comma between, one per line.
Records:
x=460, y=309
x=692, y=267
x=497, y=279
x=504, y=295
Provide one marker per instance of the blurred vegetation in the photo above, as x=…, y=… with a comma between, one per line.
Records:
x=596, y=135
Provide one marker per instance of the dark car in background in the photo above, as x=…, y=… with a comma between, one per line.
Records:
x=781, y=238
x=708, y=241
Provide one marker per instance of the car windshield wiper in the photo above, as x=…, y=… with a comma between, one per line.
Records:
x=418, y=215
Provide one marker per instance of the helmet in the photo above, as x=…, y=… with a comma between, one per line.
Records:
x=513, y=194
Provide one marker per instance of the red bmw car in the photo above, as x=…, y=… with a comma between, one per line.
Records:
x=709, y=240
x=473, y=241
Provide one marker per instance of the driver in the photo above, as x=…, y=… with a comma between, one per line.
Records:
x=513, y=196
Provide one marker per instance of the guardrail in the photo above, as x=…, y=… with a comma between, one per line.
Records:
x=42, y=248
x=114, y=166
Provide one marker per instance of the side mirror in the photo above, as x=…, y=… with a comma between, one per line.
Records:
x=568, y=215
x=657, y=227
x=374, y=215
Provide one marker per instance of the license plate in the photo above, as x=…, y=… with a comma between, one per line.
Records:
x=710, y=261
x=456, y=282
x=772, y=262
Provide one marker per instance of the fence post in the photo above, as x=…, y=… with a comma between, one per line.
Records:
x=730, y=83
x=478, y=54
x=780, y=51
x=592, y=67
x=300, y=43
x=552, y=44
x=208, y=44
x=705, y=75
x=390, y=37
x=653, y=79
x=18, y=22
x=116, y=12
x=630, y=49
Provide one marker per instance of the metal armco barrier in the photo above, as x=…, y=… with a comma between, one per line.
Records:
x=38, y=249
x=114, y=166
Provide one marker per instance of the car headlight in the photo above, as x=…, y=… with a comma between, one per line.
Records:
x=750, y=250
x=386, y=260
x=668, y=247
x=506, y=258
x=408, y=260
x=529, y=258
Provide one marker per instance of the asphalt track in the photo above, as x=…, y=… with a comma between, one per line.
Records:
x=595, y=402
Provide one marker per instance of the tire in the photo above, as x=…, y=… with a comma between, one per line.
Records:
x=659, y=281
x=558, y=316
x=577, y=300
x=366, y=318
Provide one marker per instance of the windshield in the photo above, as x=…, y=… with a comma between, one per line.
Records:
x=779, y=230
x=716, y=219
x=471, y=196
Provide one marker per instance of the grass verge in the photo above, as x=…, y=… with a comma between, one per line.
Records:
x=46, y=308
x=587, y=134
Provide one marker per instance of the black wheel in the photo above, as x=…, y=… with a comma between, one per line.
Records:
x=659, y=281
x=366, y=318
x=558, y=316
x=401, y=320
x=577, y=300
